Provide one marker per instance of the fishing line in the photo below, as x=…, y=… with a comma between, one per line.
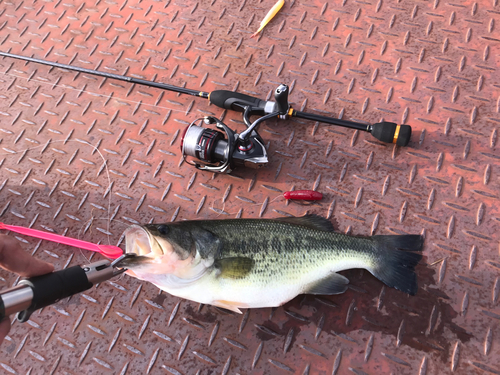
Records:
x=99, y=218
x=108, y=97
x=92, y=93
x=110, y=187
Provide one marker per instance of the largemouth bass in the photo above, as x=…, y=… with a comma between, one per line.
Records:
x=249, y=263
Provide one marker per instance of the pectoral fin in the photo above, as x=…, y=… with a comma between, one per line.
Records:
x=234, y=268
x=332, y=284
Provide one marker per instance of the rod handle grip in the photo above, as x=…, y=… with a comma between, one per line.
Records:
x=235, y=101
x=390, y=132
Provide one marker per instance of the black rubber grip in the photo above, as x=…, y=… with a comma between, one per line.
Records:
x=52, y=287
x=404, y=135
x=235, y=101
x=384, y=131
x=388, y=132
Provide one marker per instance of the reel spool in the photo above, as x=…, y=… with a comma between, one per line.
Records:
x=221, y=152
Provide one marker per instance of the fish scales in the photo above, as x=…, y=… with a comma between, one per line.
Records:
x=282, y=249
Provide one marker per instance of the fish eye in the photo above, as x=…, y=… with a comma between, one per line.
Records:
x=163, y=229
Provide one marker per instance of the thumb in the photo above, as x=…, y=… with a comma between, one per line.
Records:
x=36, y=267
x=15, y=259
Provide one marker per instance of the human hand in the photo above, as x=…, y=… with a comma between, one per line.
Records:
x=14, y=259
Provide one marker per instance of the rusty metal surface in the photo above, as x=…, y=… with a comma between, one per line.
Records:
x=86, y=157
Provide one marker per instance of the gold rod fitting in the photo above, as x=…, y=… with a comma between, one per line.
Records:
x=396, y=134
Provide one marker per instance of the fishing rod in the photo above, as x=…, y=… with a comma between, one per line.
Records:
x=219, y=152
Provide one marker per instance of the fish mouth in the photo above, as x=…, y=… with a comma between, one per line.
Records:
x=140, y=242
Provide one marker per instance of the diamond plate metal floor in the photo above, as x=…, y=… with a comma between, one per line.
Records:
x=86, y=157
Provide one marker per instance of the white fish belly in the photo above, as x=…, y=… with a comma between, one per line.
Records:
x=252, y=292
x=248, y=293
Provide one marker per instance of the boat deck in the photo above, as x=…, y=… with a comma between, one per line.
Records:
x=87, y=157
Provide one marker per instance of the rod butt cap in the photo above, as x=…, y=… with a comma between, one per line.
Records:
x=390, y=132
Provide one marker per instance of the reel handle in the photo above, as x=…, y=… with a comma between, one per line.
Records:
x=281, y=97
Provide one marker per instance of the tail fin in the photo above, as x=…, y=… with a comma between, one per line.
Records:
x=396, y=267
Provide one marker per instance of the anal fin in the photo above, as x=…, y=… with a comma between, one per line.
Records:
x=228, y=305
x=332, y=284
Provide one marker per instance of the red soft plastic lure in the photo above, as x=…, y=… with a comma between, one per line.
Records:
x=305, y=195
x=108, y=251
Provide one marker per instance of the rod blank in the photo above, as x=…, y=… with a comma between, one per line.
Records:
x=159, y=85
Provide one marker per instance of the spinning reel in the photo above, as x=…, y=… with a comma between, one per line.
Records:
x=222, y=153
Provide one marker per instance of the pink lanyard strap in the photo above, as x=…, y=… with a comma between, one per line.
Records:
x=108, y=251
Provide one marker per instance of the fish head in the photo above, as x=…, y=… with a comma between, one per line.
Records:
x=165, y=249
x=159, y=248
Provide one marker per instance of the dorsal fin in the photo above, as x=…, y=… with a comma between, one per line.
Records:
x=311, y=221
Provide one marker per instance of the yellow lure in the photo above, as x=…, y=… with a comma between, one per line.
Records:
x=269, y=16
